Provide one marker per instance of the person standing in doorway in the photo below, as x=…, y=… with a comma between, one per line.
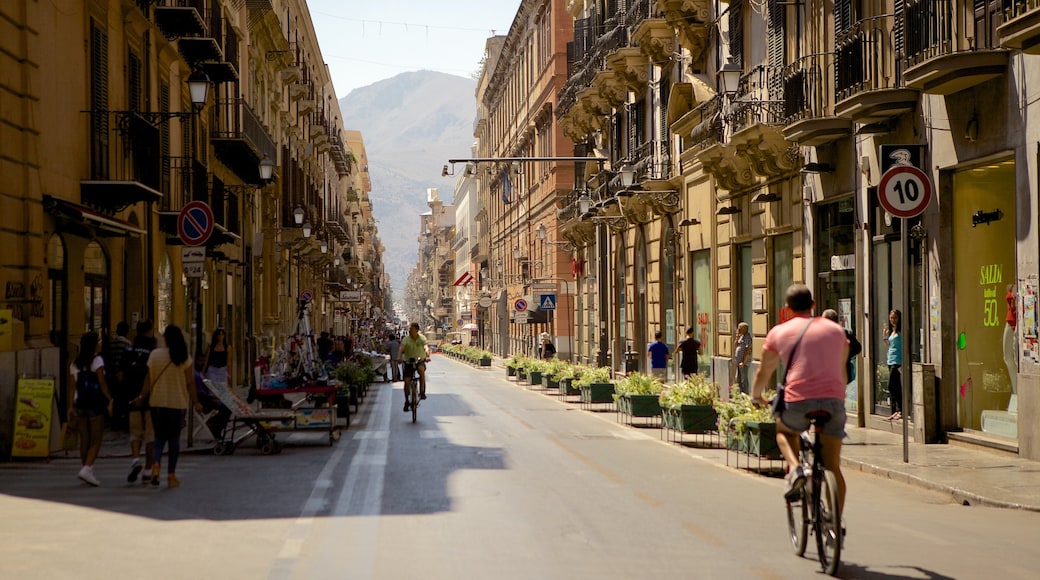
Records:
x=89, y=398
x=742, y=355
x=216, y=368
x=659, y=357
x=690, y=348
x=892, y=332
x=170, y=390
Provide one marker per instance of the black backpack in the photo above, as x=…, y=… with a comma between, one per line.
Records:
x=135, y=369
x=88, y=391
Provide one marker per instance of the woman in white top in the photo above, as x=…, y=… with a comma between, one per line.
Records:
x=169, y=390
x=88, y=401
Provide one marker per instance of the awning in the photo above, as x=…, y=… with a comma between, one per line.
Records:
x=469, y=326
x=95, y=222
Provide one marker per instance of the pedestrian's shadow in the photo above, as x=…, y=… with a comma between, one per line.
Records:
x=850, y=570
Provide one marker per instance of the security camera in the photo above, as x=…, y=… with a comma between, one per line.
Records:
x=444, y=171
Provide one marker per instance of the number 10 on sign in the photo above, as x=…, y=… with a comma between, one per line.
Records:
x=905, y=191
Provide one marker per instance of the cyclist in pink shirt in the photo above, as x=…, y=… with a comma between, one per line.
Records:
x=815, y=381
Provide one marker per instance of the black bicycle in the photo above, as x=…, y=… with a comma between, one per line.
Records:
x=817, y=507
x=411, y=373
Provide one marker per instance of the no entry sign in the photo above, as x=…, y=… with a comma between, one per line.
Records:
x=195, y=223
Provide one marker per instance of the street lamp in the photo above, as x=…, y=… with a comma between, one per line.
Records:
x=584, y=203
x=306, y=230
x=198, y=88
x=628, y=175
x=297, y=215
x=323, y=246
x=729, y=77
x=267, y=172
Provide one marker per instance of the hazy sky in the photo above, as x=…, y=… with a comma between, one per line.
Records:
x=365, y=42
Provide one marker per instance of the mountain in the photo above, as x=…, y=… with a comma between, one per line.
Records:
x=412, y=124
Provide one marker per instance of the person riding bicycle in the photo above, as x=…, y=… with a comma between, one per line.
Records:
x=415, y=353
x=815, y=382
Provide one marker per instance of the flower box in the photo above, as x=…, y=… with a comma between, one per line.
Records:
x=567, y=387
x=639, y=405
x=534, y=377
x=597, y=393
x=510, y=372
x=690, y=418
x=549, y=383
x=485, y=362
x=762, y=440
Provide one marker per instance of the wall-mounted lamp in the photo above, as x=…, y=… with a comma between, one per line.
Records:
x=814, y=167
x=690, y=222
x=266, y=169
x=628, y=175
x=337, y=261
x=471, y=169
x=198, y=88
x=306, y=230
x=297, y=215
x=727, y=210
x=446, y=173
x=584, y=203
x=984, y=217
x=323, y=246
x=517, y=168
x=764, y=197
x=728, y=76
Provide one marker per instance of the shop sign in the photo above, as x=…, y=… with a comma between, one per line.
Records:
x=32, y=418
x=843, y=262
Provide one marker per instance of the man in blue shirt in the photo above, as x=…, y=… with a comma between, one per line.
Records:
x=659, y=355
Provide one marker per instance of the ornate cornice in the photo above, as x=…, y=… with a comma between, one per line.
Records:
x=631, y=66
x=662, y=203
x=610, y=87
x=765, y=148
x=656, y=39
x=690, y=18
x=731, y=171
x=636, y=208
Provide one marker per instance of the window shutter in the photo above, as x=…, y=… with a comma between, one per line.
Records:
x=776, y=50
x=164, y=149
x=736, y=32
x=99, y=100
x=134, y=81
x=843, y=17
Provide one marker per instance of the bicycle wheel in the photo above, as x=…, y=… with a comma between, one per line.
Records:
x=415, y=398
x=798, y=522
x=827, y=524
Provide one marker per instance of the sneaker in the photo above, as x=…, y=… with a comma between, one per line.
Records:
x=795, y=482
x=135, y=470
x=86, y=475
x=172, y=481
x=407, y=407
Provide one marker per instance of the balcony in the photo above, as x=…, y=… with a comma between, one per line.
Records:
x=869, y=85
x=656, y=38
x=224, y=70
x=689, y=19
x=177, y=18
x=125, y=159
x=941, y=56
x=1021, y=29
x=808, y=102
x=239, y=140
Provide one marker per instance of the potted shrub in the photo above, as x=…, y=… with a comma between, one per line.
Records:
x=737, y=405
x=535, y=369
x=512, y=364
x=485, y=358
x=689, y=406
x=553, y=368
x=566, y=377
x=594, y=385
x=638, y=395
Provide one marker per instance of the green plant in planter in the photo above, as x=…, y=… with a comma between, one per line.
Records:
x=639, y=384
x=586, y=376
x=738, y=404
x=695, y=390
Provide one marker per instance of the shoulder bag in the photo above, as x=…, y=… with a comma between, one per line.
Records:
x=778, y=401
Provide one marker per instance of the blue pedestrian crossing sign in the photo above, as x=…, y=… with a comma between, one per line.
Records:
x=547, y=302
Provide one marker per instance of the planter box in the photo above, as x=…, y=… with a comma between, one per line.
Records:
x=691, y=418
x=534, y=377
x=736, y=442
x=510, y=372
x=521, y=375
x=485, y=362
x=762, y=440
x=549, y=383
x=567, y=387
x=597, y=393
x=641, y=405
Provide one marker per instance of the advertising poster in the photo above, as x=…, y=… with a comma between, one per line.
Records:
x=6, y=329
x=32, y=417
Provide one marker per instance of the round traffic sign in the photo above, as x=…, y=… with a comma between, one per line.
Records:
x=484, y=302
x=905, y=191
x=195, y=223
x=306, y=296
x=520, y=305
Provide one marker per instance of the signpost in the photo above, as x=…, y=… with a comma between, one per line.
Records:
x=520, y=305
x=193, y=260
x=195, y=223
x=904, y=191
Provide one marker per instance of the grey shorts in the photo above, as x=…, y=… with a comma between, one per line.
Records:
x=793, y=415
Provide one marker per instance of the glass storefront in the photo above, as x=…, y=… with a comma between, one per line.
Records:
x=985, y=288
x=701, y=298
x=835, y=263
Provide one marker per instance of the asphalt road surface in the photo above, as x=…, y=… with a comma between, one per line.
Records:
x=494, y=481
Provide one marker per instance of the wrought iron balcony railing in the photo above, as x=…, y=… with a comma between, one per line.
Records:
x=807, y=87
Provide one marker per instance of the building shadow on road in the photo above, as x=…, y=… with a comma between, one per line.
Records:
x=855, y=571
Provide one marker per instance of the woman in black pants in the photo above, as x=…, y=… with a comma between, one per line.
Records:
x=894, y=339
x=169, y=390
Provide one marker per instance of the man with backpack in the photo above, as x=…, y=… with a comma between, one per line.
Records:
x=135, y=373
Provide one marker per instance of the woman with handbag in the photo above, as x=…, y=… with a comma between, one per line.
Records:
x=169, y=391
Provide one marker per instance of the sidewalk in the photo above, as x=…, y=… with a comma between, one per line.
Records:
x=978, y=477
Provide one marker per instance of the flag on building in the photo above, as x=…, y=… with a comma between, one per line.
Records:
x=464, y=280
x=507, y=187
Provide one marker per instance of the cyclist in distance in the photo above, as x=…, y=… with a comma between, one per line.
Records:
x=815, y=382
x=414, y=347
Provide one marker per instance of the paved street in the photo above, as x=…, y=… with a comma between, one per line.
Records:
x=495, y=481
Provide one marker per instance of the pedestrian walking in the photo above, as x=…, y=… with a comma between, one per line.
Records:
x=89, y=399
x=742, y=355
x=659, y=357
x=393, y=348
x=690, y=348
x=170, y=391
x=217, y=367
x=114, y=374
x=135, y=374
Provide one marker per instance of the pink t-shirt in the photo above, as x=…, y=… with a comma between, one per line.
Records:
x=818, y=368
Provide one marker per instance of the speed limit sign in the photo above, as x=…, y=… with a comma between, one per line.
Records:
x=905, y=191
